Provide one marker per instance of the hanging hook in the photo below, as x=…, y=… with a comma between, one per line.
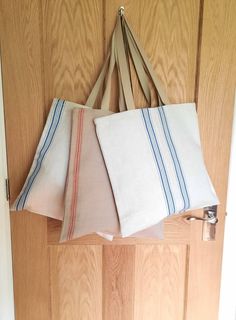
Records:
x=121, y=11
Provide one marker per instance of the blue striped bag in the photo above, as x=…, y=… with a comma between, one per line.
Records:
x=153, y=156
x=155, y=164
x=43, y=191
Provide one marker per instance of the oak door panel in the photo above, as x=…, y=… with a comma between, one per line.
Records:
x=73, y=48
x=215, y=100
x=23, y=91
x=76, y=282
x=55, y=49
x=160, y=282
x=118, y=282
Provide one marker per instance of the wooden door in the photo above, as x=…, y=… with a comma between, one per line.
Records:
x=55, y=49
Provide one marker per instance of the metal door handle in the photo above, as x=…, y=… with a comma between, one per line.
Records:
x=209, y=219
x=209, y=222
x=209, y=215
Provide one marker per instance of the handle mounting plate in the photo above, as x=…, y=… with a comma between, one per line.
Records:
x=209, y=226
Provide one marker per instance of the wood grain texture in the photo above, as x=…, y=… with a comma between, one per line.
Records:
x=176, y=230
x=73, y=48
x=22, y=85
x=30, y=267
x=56, y=48
x=202, y=299
x=216, y=89
x=24, y=113
x=76, y=282
x=118, y=282
x=160, y=275
x=217, y=81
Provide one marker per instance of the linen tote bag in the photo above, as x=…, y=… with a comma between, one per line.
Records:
x=89, y=202
x=44, y=188
x=43, y=191
x=154, y=159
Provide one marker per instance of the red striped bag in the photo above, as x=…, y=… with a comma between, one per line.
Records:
x=44, y=189
x=89, y=203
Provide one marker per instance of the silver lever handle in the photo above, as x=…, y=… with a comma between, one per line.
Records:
x=209, y=219
x=209, y=215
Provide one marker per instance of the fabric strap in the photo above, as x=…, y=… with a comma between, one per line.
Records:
x=138, y=54
x=123, y=43
x=108, y=67
x=116, y=56
x=123, y=67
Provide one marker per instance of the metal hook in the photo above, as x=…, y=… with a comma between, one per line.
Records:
x=121, y=11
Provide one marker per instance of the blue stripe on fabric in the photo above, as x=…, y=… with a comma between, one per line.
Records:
x=159, y=160
x=175, y=159
x=47, y=142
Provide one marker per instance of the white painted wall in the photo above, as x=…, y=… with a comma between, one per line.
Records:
x=228, y=281
x=6, y=279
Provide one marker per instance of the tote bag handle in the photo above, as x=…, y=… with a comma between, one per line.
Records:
x=144, y=70
x=138, y=55
x=116, y=56
x=124, y=42
x=107, y=69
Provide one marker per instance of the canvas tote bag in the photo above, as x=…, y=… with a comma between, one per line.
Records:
x=44, y=189
x=154, y=158
x=89, y=201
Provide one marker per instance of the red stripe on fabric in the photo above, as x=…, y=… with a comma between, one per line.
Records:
x=76, y=175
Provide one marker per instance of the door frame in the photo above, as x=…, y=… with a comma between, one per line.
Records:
x=6, y=274
x=228, y=279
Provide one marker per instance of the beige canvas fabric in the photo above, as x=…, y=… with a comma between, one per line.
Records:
x=89, y=202
x=44, y=188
